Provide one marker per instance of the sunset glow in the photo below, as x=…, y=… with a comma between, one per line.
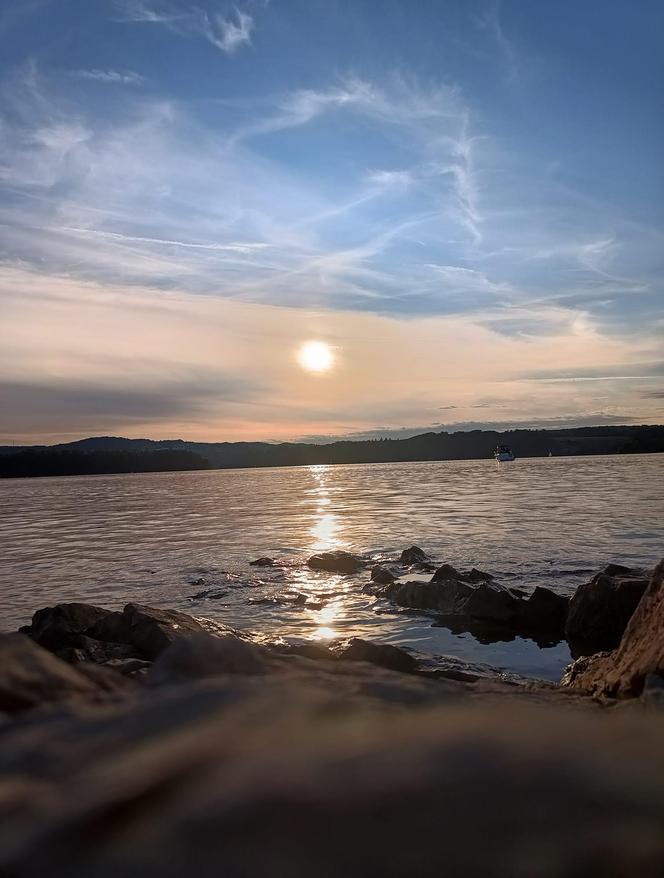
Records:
x=315, y=356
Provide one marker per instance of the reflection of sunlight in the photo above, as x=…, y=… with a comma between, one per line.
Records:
x=325, y=530
x=326, y=527
x=325, y=620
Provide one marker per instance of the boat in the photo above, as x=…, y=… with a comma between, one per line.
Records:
x=503, y=453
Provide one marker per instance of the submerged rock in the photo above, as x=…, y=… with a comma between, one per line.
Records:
x=622, y=673
x=262, y=562
x=600, y=609
x=336, y=562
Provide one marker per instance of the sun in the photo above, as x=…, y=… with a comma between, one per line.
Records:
x=315, y=356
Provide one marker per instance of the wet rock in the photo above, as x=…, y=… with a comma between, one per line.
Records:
x=30, y=675
x=202, y=655
x=600, y=609
x=56, y=627
x=475, y=575
x=492, y=602
x=544, y=611
x=382, y=575
x=152, y=631
x=336, y=562
x=413, y=555
x=487, y=610
x=622, y=673
x=448, y=596
x=262, y=562
x=381, y=654
x=447, y=571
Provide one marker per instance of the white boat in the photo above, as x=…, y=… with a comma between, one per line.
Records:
x=503, y=453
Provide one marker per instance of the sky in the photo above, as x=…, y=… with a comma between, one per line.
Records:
x=461, y=199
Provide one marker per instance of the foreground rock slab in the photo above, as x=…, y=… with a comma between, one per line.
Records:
x=623, y=673
x=243, y=775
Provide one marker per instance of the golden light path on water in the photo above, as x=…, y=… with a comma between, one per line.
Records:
x=326, y=532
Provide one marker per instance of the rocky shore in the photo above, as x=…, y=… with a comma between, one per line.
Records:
x=149, y=742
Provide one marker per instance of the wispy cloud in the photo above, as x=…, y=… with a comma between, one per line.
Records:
x=491, y=22
x=119, y=77
x=226, y=31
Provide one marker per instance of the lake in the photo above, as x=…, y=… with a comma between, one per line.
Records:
x=184, y=540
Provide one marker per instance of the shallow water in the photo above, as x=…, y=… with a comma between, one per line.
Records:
x=184, y=540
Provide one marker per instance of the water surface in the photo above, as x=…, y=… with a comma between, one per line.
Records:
x=184, y=540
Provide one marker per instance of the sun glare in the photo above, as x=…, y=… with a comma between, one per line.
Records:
x=315, y=356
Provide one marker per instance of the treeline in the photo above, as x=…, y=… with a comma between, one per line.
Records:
x=108, y=454
x=44, y=462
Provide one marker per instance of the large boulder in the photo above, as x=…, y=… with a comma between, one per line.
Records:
x=622, y=673
x=600, y=609
x=382, y=654
x=336, y=562
x=30, y=676
x=55, y=627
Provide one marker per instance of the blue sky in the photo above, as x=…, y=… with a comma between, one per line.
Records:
x=463, y=199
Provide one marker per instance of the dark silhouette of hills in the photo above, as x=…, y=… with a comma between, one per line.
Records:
x=106, y=454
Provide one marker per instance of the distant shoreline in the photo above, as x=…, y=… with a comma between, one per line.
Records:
x=115, y=455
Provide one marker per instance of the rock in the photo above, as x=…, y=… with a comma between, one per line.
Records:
x=448, y=596
x=311, y=651
x=88, y=649
x=31, y=675
x=474, y=576
x=489, y=611
x=112, y=628
x=544, y=611
x=262, y=562
x=490, y=601
x=254, y=776
x=54, y=627
x=381, y=654
x=152, y=631
x=202, y=655
x=106, y=678
x=446, y=572
x=622, y=673
x=336, y=562
x=600, y=609
x=413, y=555
x=381, y=575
